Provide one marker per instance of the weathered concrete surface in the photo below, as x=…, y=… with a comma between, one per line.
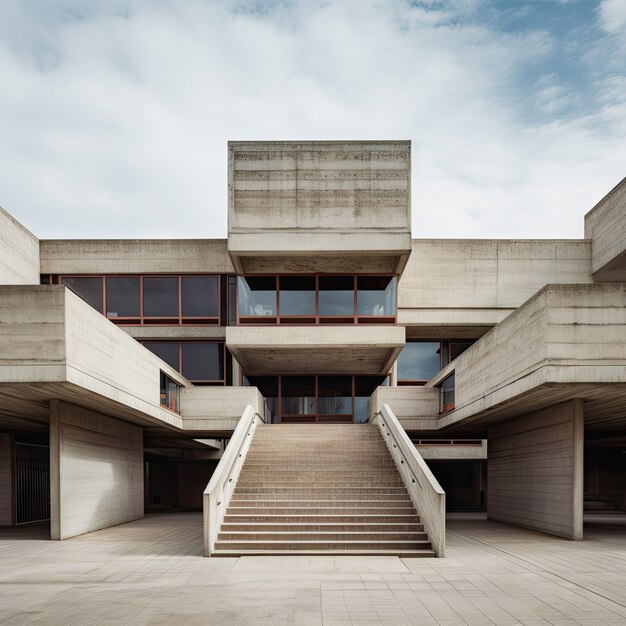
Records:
x=123, y=256
x=535, y=470
x=455, y=285
x=453, y=452
x=96, y=471
x=182, y=333
x=566, y=341
x=417, y=408
x=217, y=408
x=605, y=226
x=19, y=253
x=315, y=349
x=345, y=202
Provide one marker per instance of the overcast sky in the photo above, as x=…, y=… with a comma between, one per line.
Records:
x=114, y=114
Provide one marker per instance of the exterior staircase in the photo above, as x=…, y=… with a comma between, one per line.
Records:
x=320, y=489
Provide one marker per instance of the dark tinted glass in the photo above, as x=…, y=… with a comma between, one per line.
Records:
x=160, y=296
x=232, y=300
x=446, y=394
x=297, y=295
x=166, y=350
x=88, y=288
x=203, y=360
x=336, y=296
x=364, y=387
x=298, y=395
x=257, y=295
x=122, y=296
x=335, y=395
x=419, y=360
x=200, y=296
x=377, y=295
x=457, y=347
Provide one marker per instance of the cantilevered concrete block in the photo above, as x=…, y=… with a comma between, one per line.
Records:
x=329, y=206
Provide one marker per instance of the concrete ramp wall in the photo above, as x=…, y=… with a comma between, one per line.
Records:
x=535, y=470
x=96, y=471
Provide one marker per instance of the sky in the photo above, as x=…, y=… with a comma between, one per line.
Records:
x=115, y=114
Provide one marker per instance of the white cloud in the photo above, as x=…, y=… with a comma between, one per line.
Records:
x=613, y=15
x=115, y=119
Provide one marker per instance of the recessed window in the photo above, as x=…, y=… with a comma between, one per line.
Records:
x=336, y=297
x=160, y=296
x=168, y=351
x=200, y=296
x=376, y=296
x=170, y=393
x=203, y=361
x=419, y=361
x=297, y=296
x=335, y=395
x=298, y=395
x=89, y=288
x=364, y=387
x=257, y=296
x=123, y=296
x=446, y=394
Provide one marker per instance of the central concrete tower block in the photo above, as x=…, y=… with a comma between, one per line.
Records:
x=319, y=206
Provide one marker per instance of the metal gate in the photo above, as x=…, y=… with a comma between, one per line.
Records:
x=32, y=483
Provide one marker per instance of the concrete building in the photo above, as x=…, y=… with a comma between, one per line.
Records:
x=319, y=381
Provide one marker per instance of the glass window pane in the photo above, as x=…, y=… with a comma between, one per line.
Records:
x=232, y=300
x=160, y=296
x=257, y=295
x=377, y=295
x=298, y=395
x=87, y=287
x=200, y=296
x=335, y=395
x=419, y=360
x=268, y=386
x=364, y=387
x=122, y=296
x=457, y=347
x=297, y=295
x=336, y=296
x=203, y=360
x=166, y=350
x=446, y=394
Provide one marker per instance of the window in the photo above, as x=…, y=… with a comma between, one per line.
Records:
x=334, y=395
x=89, y=288
x=201, y=362
x=336, y=297
x=160, y=296
x=298, y=395
x=376, y=296
x=297, y=296
x=446, y=394
x=364, y=387
x=123, y=297
x=419, y=361
x=257, y=296
x=170, y=393
x=200, y=296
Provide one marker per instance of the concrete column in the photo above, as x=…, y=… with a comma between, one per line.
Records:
x=535, y=470
x=6, y=479
x=393, y=375
x=96, y=471
x=237, y=379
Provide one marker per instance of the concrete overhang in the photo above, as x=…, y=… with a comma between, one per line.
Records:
x=319, y=206
x=315, y=349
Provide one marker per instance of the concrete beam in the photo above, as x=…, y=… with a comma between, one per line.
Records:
x=19, y=253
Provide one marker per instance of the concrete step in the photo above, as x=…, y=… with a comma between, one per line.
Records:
x=412, y=554
x=319, y=535
x=322, y=527
x=365, y=518
x=321, y=544
x=313, y=490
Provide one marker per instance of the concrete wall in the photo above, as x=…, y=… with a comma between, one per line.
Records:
x=456, y=452
x=96, y=471
x=343, y=199
x=417, y=408
x=123, y=256
x=605, y=226
x=566, y=334
x=19, y=253
x=6, y=479
x=477, y=283
x=535, y=471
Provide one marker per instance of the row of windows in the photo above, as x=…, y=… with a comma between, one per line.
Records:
x=419, y=361
x=201, y=362
x=190, y=299
x=291, y=299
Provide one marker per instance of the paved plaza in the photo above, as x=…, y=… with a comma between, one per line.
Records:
x=151, y=572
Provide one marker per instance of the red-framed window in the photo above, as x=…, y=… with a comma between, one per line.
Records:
x=201, y=362
x=447, y=394
x=305, y=299
x=159, y=299
x=421, y=359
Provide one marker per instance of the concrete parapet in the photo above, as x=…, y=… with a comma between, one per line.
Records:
x=19, y=253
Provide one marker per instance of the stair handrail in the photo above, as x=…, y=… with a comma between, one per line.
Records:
x=219, y=491
x=425, y=492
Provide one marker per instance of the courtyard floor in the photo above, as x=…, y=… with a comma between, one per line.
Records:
x=151, y=572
